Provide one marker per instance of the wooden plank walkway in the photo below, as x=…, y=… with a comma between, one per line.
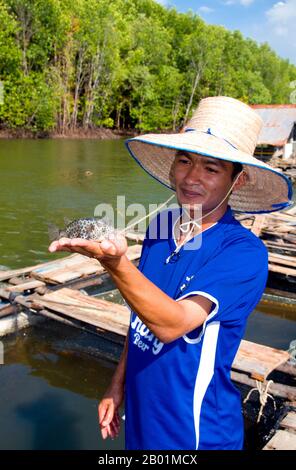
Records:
x=284, y=260
x=75, y=267
x=258, y=361
x=289, y=422
x=28, y=285
x=106, y=315
x=59, y=272
x=278, y=231
x=48, y=285
x=75, y=271
x=7, y=274
x=253, y=362
x=285, y=437
x=282, y=440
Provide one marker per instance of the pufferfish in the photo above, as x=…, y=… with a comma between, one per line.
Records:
x=91, y=228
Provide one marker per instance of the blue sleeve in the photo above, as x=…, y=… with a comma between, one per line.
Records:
x=234, y=280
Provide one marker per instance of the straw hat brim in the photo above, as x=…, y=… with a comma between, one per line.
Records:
x=267, y=190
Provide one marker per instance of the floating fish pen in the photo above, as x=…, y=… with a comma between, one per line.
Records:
x=288, y=167
x=278, y=232
x=69, y=290
x=23, y=288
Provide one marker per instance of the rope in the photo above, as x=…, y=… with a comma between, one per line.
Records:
x=262, y=388
x=148, y=215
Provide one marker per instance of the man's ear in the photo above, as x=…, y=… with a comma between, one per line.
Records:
x=241, y=181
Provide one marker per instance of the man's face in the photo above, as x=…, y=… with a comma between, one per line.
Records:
x=201, y=180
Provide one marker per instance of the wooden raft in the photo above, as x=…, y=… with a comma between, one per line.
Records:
x=74, y=267
x=258, y=361
x=75, y=271
x=278, y=233
x=285, y=437
x=255, y=363
x=252, y=362
x=60, y=271
x=100, y=313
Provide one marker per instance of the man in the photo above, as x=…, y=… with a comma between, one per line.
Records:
x=190, y=301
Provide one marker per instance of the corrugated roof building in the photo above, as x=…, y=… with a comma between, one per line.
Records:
x=279, y=129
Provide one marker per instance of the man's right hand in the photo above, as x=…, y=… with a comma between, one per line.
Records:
x=108, y=411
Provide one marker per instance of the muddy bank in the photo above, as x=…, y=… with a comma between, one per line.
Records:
x=97, y=133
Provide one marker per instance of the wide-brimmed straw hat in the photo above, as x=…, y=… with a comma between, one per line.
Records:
x=223, y=128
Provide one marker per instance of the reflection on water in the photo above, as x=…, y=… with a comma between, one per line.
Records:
x=271, y=330
x=50, y=388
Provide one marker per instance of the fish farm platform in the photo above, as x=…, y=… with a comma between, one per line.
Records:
x=55, y=290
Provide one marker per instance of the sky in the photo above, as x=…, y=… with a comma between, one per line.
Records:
x=263, y=20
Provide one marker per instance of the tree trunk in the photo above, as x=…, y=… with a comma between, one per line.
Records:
x=193, y=90
x=95, y=73
x=118, y=115
x=96, y=70
x=25, y=33
x=78, y=83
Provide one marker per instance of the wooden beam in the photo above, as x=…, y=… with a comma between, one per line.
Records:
x=289, y=422
x=276, y=389
x=8, y=310
x=77, y=267
x=282, y=440
x=114, y=338
x=29, y=285
x=4, y=275
x=257, y=360
x=97, y=312
x=258, y=224
x=281, y=269
x=276, y=258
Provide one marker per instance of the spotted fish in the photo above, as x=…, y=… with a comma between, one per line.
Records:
x=89, y=228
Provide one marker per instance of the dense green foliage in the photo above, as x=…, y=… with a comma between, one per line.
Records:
x=125, y=64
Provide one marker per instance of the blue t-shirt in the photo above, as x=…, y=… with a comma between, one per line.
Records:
x=179, y=395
